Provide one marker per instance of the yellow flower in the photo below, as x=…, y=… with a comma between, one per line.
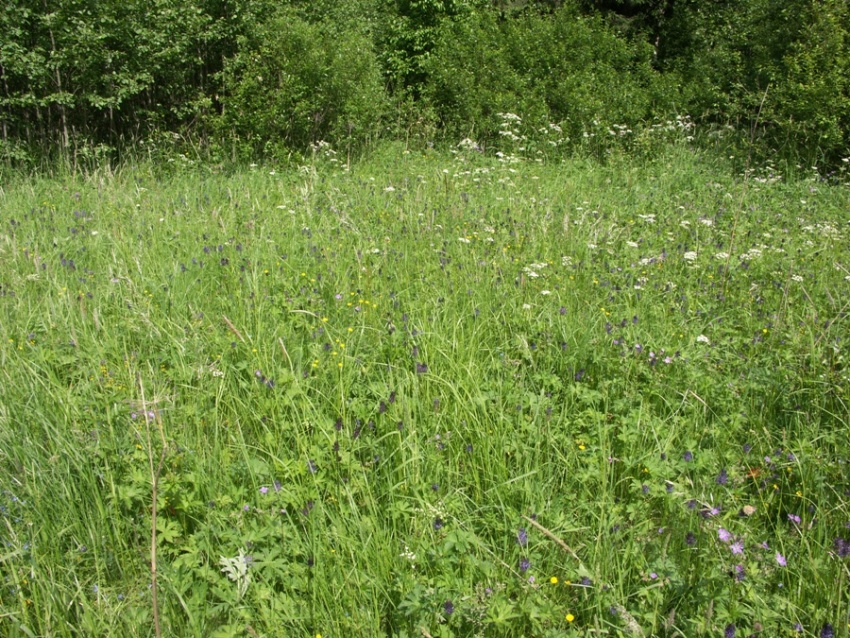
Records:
x=570, y=617
x=554, y=580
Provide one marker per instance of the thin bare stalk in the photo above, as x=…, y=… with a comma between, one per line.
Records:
x=155, y=472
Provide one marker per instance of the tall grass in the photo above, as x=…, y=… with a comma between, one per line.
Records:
x=427, y=394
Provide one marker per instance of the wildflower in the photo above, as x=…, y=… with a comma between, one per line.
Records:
x=729, y=632
x=264, y=490
x=524, y=564
x=842, y=547
x=522, y=537
x=794, y=518
x=554, y=580
x=724, y=535
x=827, y=631
x=723, y=477
x=569, y=618
x=737, y=547
x=653, y=576
x=421, y=368
x=277, y=486
x=448, y=608
x=690, y=539
x=438, y=523
x=739, y=573
x=781, y=560
x=586, y=582
x=688, y=456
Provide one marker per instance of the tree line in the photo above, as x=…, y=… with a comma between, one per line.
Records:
x=239, y=79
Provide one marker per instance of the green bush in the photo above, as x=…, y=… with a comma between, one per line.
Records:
x=561, y=68
x=776, y=70
x=295, y=83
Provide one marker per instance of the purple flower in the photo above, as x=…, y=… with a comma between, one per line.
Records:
x=438, y=523
x=653, y=575
x=246, y=508
x=264, y=490
x=645, y=488
x=448, y=608
x=739, y=573
x=781, y=560
x=277, y=486
x=842, y=547
x=794, y=518
x=690, y=539
x=729, y=632
x=585, y=581
x=522, y=537
x=688, y=456
x=724, y=535
x=798, y=627
x=747, y=448
x=737, y=547
x=531, y=579
x=827, y=631
x=421, y=368
x=722, y=478
x=524, y=564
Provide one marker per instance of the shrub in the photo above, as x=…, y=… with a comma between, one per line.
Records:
x=295, y=83
x=563, y=68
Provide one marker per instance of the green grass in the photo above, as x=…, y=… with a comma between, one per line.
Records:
x=425, y=352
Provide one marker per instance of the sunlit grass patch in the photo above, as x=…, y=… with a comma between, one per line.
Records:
x=441, y=392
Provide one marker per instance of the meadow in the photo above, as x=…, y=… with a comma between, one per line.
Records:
x=439, y=393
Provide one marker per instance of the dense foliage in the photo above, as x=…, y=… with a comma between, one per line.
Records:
x=252, y=78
